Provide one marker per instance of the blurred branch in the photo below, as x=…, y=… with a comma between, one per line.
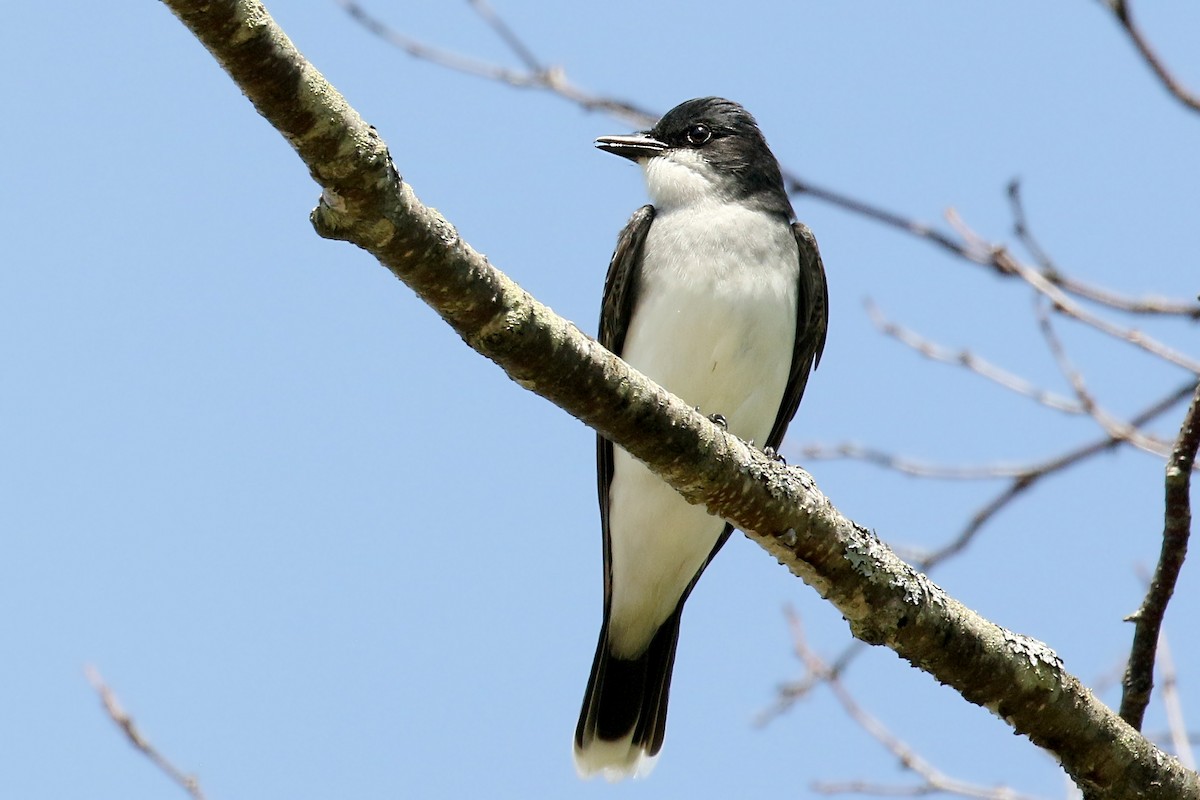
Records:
x=1050, y=271
x=788, y=694
x=934, y=781
x=966, y=359
x=1139, y=675
x=1181, y=742
x=1020, y=473
x=908, y=466
x=1124, y=15
x=1022, y=483
x=117, y=714
x=1114, y=428
x=551, y=79
x=1022, y=478
x=999, y=258
x=514, y=42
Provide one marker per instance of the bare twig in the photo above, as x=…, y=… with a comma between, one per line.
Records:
x=1110, y=425
x=908, y=466
x=551, y=79
x=117, y=714
x=1139, y=675
x=979, y=519
x=1120, y=9
x=788, y=694
x=934, y=781
x=1051, y=272
x=798, y=186
x=435, y=55
x=1024, y=234
x=515, y=43
x=1022, y=478
x=1003, y=262
x=968, y=360
x=1021, y=483
x=1180, y=741
x=1019, y=473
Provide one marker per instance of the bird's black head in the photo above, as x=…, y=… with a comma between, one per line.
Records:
x=707, y=149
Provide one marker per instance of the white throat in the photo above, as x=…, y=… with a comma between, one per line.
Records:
x=680, y=178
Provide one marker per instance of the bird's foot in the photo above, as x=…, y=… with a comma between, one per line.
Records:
x=774, y=455
x=718, y=419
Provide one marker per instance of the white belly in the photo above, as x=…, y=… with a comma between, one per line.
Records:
x=717, y=332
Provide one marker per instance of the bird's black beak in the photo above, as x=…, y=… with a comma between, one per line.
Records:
x=635, y=147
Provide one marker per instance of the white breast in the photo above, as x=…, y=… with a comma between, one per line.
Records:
x=714, y=324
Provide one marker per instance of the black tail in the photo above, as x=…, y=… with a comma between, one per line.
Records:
x=624, y=716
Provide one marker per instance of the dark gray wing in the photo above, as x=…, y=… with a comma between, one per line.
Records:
x=620, y=285
x=812, y=321
x=620, y=289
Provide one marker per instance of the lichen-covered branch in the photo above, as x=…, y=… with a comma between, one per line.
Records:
x=884, y=600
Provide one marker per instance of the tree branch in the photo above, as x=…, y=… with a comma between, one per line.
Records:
x=1000, y=259
x=1121, y=11
x=1022, y=483
x=536, y=76
x=1176, y=726
x=971, y=362
x=1116, y=429
x=117, y=714
x=1050, y=271
x=884, y=600
x=934, y=781
x=1139, y=674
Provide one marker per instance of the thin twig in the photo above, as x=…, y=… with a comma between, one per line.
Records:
x=908, y=466
x=552, y=79
x=968, y=360
x=117, y=714
x=1022, y=478
x=790, y=693
x=978, y=520
x=1139, y=675
x=1051, y=272
x=1024, y=234
x=1003, y=262
x=1120, y=9
x=484, y=9
x=1021, y=484
x=1110, y=425
x=435, y=55
x=934, y=780
x=1018, y=473
x=1180, y=741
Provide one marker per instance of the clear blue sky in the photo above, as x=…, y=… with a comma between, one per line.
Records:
x=322, y=549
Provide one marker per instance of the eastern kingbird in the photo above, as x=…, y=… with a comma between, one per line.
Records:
x=714, y=293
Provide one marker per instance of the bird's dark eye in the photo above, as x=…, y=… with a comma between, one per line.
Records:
x=698, y=135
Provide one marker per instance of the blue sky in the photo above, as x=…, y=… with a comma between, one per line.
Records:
x=322, y=549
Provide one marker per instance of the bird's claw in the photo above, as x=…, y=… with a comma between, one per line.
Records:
x=718, y=419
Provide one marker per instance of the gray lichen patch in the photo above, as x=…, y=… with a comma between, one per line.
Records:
x=1036, y=653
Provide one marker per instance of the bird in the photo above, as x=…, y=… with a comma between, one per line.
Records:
x=718, y=295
